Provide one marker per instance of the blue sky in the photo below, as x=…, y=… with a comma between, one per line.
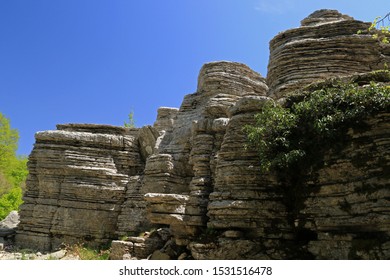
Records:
x=94, y=61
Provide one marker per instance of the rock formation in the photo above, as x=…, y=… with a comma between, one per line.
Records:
x=348, y=210
x=192, y=173
x=326, y=45
x=77, y=184
x=180, y=178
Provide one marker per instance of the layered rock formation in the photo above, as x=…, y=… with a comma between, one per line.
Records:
x=326, y=45
x=180, y=178
x=191, y=171
x=348, y=210
x=77, y=183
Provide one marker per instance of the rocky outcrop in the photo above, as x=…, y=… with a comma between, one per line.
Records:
x=326, y=45
x=193, y=173
x=139, y=247
x=77, y=184
x=241, y=192
x=180, y=178
x=348, y=209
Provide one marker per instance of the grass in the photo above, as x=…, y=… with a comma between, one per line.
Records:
x=86, y=253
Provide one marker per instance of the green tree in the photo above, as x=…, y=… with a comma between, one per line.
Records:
x=13, y=169
x=8, y=142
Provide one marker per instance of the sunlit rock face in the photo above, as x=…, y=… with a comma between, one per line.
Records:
x=77, y=182
x=184, y=169
x=193, y=173
x=326, y=45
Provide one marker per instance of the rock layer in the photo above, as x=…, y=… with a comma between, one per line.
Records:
x=349, y=208
x=76, y=185
x=326, y=45
x=185, y=166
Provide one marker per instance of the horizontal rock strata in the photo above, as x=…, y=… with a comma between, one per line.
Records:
x=241, y=192
x=349, y=208
x=186, y=163
x=326, y=45
x=76, y=186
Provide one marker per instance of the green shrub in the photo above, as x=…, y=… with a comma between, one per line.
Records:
x=10, y=201
x=293, y=136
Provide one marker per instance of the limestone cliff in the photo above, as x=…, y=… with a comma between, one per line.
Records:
x=326, y=45
x=192, y=172
x=76, y=185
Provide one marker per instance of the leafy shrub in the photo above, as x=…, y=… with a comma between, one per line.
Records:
x=292, y=136
x=382, y=33
x=10, y=201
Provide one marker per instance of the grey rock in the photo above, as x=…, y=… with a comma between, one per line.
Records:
x=326, y=45
x=77, y=183
x=158, y=255
x=9, y=225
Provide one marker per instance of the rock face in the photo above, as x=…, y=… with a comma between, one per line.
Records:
x=192, y=173
x=326, y=45
x=349, y=208
x=77, y=184
x=181, y=177
x=241, y=192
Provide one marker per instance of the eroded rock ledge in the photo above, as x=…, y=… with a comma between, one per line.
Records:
x=191, y=173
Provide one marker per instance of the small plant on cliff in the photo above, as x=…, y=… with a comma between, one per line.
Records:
x=381, y=33
x=130, y=122
x=291, y=137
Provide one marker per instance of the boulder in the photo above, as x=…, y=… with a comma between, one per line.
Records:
x=9, y=225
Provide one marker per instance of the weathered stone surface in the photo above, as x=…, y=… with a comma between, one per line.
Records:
x=326, y=45
x=147, y=138
x=241, y=192
x=138, y=247
x=120, y=248
x=76, y=185
x=186, y=162
x=158, y=255
x=9, y=224
x=226, y=250
x=57, y=255
x=349, y=208
x=132, y=214
x=166, y=117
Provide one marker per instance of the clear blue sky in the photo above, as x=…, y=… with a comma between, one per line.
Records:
x=93, y=61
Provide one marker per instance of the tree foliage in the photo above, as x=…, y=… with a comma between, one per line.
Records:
x=13, y=169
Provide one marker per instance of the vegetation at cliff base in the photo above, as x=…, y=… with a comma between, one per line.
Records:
x=291, y=137
x=84, y=252
x=13, y=169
